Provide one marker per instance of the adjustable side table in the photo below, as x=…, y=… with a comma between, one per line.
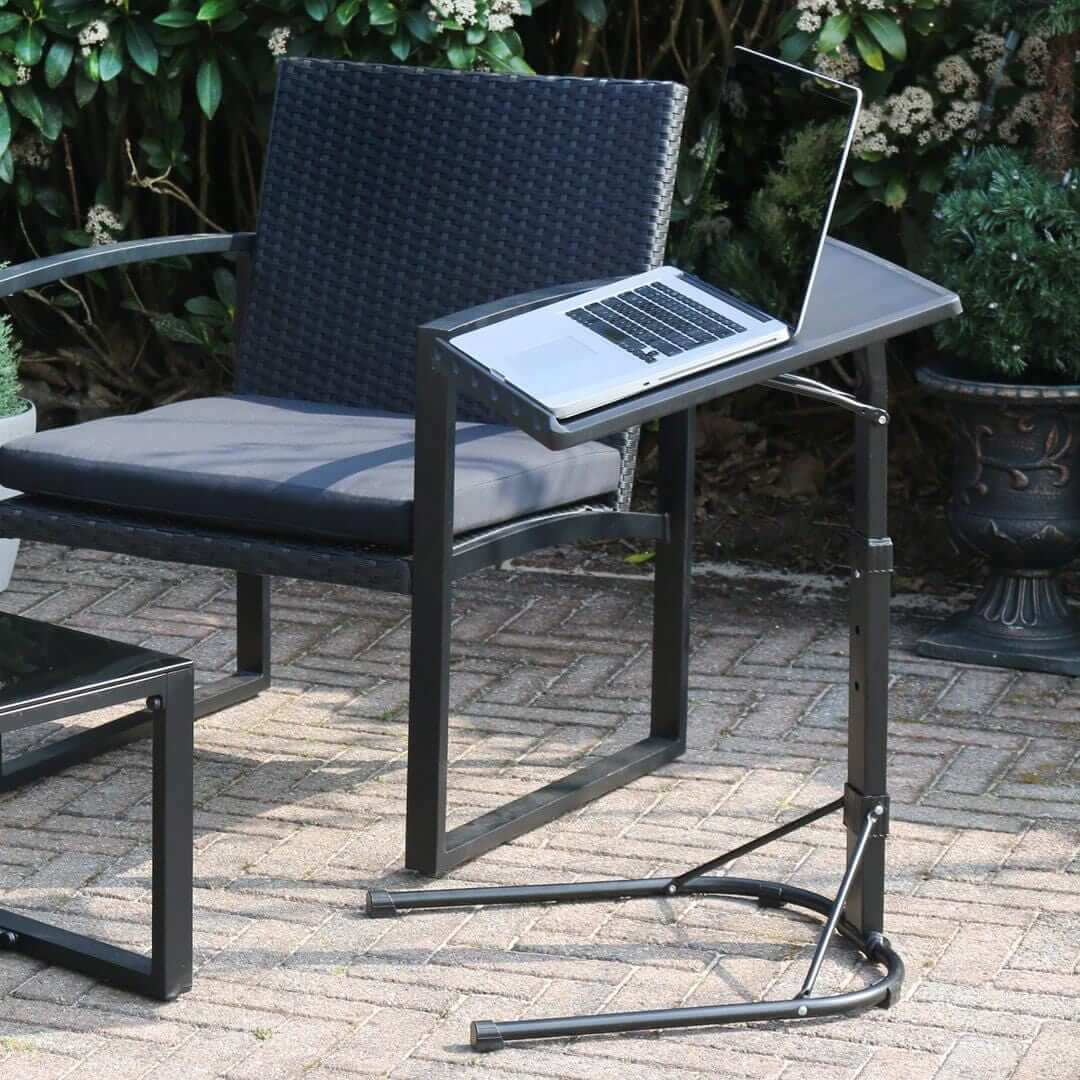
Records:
x=859, y=302
x=50, y=672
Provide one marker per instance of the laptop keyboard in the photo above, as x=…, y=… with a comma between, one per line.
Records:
x=654, y=321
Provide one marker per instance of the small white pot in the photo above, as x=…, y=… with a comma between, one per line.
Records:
x=12, y=427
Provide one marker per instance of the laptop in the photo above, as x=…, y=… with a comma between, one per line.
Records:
x=579, y=354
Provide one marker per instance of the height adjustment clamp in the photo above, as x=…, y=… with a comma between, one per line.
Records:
x=871, y=555
x=857, y=807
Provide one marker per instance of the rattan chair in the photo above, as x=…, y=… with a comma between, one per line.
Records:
x=391, y=196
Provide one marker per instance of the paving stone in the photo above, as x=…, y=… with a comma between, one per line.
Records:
x=300, y=808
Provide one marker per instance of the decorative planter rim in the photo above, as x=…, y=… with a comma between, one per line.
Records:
x=27, y=405
x=946, y=385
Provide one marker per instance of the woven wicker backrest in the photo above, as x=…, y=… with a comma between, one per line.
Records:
x=394, y=195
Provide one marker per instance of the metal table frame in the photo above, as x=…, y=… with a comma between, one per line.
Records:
x=857, y=910
x=167, y=971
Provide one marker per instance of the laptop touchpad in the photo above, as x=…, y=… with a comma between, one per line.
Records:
x=562, y=364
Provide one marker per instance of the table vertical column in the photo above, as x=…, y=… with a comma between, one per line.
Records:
x=868, y=691
x=671, y=588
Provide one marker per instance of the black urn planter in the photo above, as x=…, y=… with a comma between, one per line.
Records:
x=1016, y=502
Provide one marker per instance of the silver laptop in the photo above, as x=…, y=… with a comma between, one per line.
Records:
x=618, y=340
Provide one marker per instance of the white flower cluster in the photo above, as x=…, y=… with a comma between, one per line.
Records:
x=495, y=14
x=101, y=224
x=869, y=138
x=1028, y=110
x=501, y=14
x=840, y=64
x=278, y=41
x=987, y=48
x=910, y=110
x=22, y=74
x=1034, y=55
x=954, y=75
x=32, y=151
x=93, y=33
x=813, y=13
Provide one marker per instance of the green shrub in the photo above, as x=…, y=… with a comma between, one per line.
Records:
x=11, y=401
x=1007, y=239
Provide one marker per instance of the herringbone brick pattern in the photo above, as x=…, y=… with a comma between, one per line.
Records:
x=300, y=800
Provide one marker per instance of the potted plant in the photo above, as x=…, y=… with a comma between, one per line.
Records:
x=1006, y=237
x=17, y=417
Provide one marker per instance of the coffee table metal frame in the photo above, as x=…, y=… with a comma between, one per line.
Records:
x=168, y=693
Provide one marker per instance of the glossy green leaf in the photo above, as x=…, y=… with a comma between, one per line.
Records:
x=208, y=86
x=111, y=61
x=420, y=26
x=85, y=89
x=8, y=21
x=5, y=127
x=896, y=192
x=26, y=103
x=595, y=11
x=834, y=33
x=207, y=307
x=58, y=62
x=793, y=48
x=7, y=167
x=51, y=201
x=317, y=9
x=215, y=9
x=29, y=44
x=461, y=56
x=888, y=33
x=176, y=19
x=382, y=13
x=141, y=47
x=401, y=46
x=345, y=13
x=475, y=34
x=52, y=119
x=225, y=286
x=926, y=22
x=868, y=50
x=867, y=174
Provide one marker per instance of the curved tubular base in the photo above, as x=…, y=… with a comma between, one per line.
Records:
x=488, y=1035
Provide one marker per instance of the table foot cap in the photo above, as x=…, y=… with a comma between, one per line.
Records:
x=380, y=904
x=485, y=1036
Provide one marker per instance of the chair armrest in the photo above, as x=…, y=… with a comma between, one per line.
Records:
x=27, y=275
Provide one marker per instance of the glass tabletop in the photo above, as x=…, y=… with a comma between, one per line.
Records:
x=40, y=663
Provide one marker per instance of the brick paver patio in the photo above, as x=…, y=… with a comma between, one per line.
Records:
x=300, y=802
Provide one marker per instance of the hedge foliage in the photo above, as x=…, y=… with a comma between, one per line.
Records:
x=128, y=118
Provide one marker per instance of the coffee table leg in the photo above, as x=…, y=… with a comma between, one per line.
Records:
x=172, y=837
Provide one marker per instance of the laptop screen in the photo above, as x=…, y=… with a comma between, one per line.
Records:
x=783, y=137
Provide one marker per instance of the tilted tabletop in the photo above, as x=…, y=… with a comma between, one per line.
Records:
x=858, y=300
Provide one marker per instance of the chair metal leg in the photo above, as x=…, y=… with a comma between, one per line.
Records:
x=171, y=950
x=251, y=678
x=429, y=847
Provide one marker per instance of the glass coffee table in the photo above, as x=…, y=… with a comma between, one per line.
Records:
x=48, y=673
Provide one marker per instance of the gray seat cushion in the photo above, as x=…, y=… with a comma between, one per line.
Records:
x=283, y=466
